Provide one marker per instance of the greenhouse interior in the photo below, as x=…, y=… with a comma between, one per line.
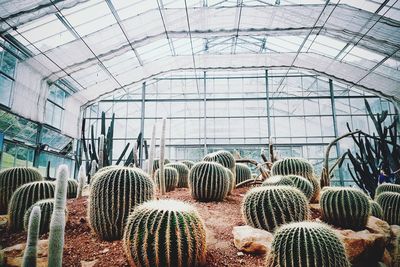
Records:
x=200, y=133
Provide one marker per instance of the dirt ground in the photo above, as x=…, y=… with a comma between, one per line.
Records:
x=219, y=217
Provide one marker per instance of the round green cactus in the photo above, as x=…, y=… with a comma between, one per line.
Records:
x=156, y=164
x=107, y=168
x=183, y=172
x=171, y=177
x=188, y=163
x=298, y=166
x=72, y=188
x=224, y=158
x=208, y=181
x=23, y=198
x=307, y=244
x=376, y=209
x=165, y=233
x=113, y=195
x=268, y=207
x=390, y=203
x=277, y=180
x=302, y=184
x=387, y=188
x=232, y=180
x=11, y=179
x=243, y=173
x=345, y=207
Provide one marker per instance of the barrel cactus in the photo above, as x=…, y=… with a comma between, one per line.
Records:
x=107, y=168
x=171, y=177
x=183, y=172
x=208, y=181
x=165, y=233
x=376, y=209
x=224, y=158
x=188, y=163
x=156, y=164
x=302, y=184
x=298, y=166
x=11, y=179
x=243, y=173
x=268, y=207
x=387, y=188
x=113, y=195
x=390, y=203
x=307, y=244
x=232, y=180
x=24, y=197
x=30, y=253
x=72, y=188
x=345, y=207
x=277, y=180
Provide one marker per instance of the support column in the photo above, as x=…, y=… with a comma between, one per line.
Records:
x=142, y=123
x=37, y=148
x=268, y=104
x=205, y=113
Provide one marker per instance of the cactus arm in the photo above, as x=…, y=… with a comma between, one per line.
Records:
x=152, y=150
x=57, y=223
x=135, y=155
x=103, y=123
x=146, y=149
x=139, y=144
x=48, y=171
x=110, y=140
x=162, y=156
x=122, y=154
x=81, y=182
x=129, y=160
x=30, y=254
x=93, y=152
x=101, y=152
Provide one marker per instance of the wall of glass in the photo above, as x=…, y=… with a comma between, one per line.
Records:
x=8, y=62
x=58, y=93
x=240, y=111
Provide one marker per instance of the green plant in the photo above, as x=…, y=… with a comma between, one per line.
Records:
x=57, y=222
x=302, y=184
x=72, y=188
x=30, y=253
x=232, y=180
x=376, y=209
x=208, y=181
x=183, y=172
x=243, y=172
x=150, y=165
x=11, y=179
x=390, y=203
x=46, y=210
x=224, y=158
x=387, y=188
x=277, y=180
x=268, y=207
x=81, y=181
x=345, y=207
x=188, y=163
x=24, y=197
x=171, y=177
x=165, y=233
x=307, y=244
x=113, y=195
x=156, y=164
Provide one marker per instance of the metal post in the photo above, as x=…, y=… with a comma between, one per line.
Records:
x=205, y=113
x=37, y=149
x=142, y=123
x=268, y=107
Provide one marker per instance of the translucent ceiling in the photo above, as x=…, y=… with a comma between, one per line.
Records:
x=103, y=45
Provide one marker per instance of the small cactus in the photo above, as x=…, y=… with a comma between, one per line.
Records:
x=113, y=195
x=277, y=180
x=11, y=179
x=188, y=163
x=307, y=244
x=171, y=178
x=390, y=203
x=376, y=209
x=345, y=207
x=57, y=222
x=224, y=158
x=243, y=173
x=268, y=207
x=24, y=197
x=72, y=188
x=387, y=188
x=165, y=233
x=183, y=172
x=81, y=181
x=30, y=253
x=208, y=181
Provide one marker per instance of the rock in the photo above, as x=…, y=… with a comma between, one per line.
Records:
x=252, y=240
x=13, y=255
x=387, y=259
x=89, y=263
x=3, y=221
x=394, y=245
x=378, y=226
x=240, y=254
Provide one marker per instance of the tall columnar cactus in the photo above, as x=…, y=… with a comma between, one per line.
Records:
x=268, y=207
x=208, y=181
x=302, y=184
x=30, y=253
x=57, y=222
x=165, y=233
x=390, y=203
x=298, y=166
x=307, y=244
x=24, y=197
x=101, y=152
x=162, y=157
x=93, y=169
x=11, y=179
x=224, y=158
x=46, y=210
x=72, y=188
x=188, y=163
x=183, y=172
x=171, y=178
x=113, y=195
x=81, y=181
x=152, y=151
x=345, y=207
x=232, y=180
x=387, y=188
x=376, y=209
x=243, y=172
x=277, y=180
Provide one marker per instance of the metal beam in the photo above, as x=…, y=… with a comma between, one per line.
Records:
x=142, y=115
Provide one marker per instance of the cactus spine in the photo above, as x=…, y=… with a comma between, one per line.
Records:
x=24, y=197
x=114, y=194
x=46, y=211
x=152, y=151
x=82, y=181
x=165, y=233
x=243, y=172
x=307, y=244
x=57, y=223
x=171, y=178
x=268, y=207
x=387, y=188
x=376, y=209
x=162, y=154
x=390, y=203
x=345, y=207
x=11, y=179
x=183, y=172
x=188, y=163
x=30, y=253
x=278, y=180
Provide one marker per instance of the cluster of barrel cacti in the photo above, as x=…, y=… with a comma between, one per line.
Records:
x=171, y=178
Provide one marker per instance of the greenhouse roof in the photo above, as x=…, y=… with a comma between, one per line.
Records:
x=100, y=46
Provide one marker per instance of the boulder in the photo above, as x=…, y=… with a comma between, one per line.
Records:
x=252, y=240
x=394, y=246
x=12, y=256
